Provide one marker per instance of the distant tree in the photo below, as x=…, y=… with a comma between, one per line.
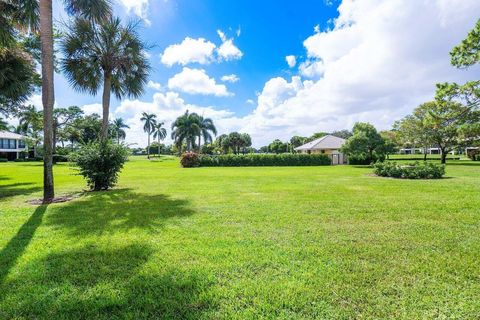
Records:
x=277, y=146
x=391, y=141
x=30, y=119
x=118, y=126
x=105, y=54
x=185, y=129
x=148, y=127
x=365, y=145
x=344, y=134
x=297, y=141
x=245, y=142
x=223, y=147
x=316, y=135
x=64, y=117
x=206, y=129
x=159, y=133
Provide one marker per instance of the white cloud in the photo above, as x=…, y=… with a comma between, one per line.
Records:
x=230, y=78
x=250, y=101
x=89, y=109
x=138, y=7
x=291, y=61
x=167, y=106
x=377, y=63
x=196, y=81
x=227, y=50
x=189, y=51
x=154, y=85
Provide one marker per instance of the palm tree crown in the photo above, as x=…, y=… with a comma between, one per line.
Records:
x=118, y=125
x=185, y=129
x=105, y=53
x=206, y=126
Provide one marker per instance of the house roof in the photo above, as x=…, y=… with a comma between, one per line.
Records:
x=325, y=142
x=10, y=135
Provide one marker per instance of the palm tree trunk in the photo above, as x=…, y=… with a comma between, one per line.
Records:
x=199, y=143
x=148, y=147
x=107, y=86
x=48, y=97
x=159, y=146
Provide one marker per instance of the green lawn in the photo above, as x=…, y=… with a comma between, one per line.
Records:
x=241, y=243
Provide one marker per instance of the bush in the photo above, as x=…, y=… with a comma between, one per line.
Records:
x=19, y=160
x=417, y=170
x=363, y=160
x=59, y=158
x=260, y=160
x=100, y=163
x=3, y=159
x=190, y=160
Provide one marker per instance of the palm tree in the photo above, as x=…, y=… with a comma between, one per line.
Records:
x=159, y=133
x=206, y=126
x=37, y=15
x=185, y=129
x=148, y=127
x=30, y=118
x=105, y=54
x=118, y=125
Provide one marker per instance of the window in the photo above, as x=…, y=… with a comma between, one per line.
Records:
x=12, y=144
x=21, y=144
x=2, y=144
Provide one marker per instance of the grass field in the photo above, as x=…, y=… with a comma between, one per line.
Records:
x=328, y=242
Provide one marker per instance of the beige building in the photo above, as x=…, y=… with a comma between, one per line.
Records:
x=329, y=145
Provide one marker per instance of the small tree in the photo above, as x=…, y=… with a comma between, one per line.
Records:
x=160, y=133
x=366, y=145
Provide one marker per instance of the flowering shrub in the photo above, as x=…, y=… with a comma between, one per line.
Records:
x=190, y=160
x=417, y=170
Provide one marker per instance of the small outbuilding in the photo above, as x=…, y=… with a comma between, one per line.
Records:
x=329, y=145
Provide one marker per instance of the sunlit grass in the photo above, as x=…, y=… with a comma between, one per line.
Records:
x=241, y=243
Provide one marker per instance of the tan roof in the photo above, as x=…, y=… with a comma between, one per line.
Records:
x=11, y=135
x=325, y=142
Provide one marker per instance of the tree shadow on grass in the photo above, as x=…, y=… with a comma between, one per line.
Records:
x=117, y=210
x=18, y=188
x=17, y=245
x=94, y=282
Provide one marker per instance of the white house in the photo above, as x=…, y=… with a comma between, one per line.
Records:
x=329, y=145
x=11, y=144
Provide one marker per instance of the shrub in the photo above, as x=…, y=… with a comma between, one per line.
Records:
x=60, y=158
x=3, y=159
x=417, y=170
x=19, y=160
x=100, y=163
x=259, y=160
x=190, y=160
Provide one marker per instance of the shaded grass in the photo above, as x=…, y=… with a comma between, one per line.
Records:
x=243, y=243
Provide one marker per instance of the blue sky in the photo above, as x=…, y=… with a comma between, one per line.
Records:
x=364, y=60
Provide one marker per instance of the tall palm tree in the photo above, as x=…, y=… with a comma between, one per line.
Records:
x=159, y=133
x=148, y=127
x=105, y=54
x=206, y=126
x=37, y=15
x=118, y=125
x=185, y=129
x=30, y=118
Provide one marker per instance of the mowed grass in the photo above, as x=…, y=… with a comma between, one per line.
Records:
x=241, y=243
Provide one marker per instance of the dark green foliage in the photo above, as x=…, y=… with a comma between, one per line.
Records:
x=190, y=160
x=100, y=163
x=416, y=170
x=260, y=160
x=3, y=160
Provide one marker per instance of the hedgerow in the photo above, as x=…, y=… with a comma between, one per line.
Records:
x=262, y=160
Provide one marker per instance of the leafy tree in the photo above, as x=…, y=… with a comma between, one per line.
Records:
x=63, y=117
x=148, y=127
x=185, y=129
x=206, y=127
x=220, y=145
x=344, y=134
x=297, y=141
x=467, y=53
x=237, y=142
x=105, y=54
x=3, y=124
x=365, y=145
x=316, y=136
x=118, y=126
x=160, y=133
x=245, y=142
x=277, y=146
x=391, y=141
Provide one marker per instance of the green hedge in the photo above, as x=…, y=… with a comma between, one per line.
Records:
x=262, y=160
x=417, y=170
x=3, y=160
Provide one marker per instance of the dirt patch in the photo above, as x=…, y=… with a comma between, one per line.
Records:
x=37, y=202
